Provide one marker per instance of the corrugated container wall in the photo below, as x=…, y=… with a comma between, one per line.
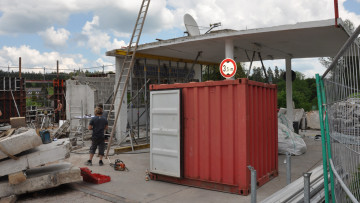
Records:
x=227, y=126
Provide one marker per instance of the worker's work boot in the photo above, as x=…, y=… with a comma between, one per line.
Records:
x=101, y=163
x=88, y=163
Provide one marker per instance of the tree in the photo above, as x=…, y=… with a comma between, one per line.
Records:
x=350, y=25
x=213, y=72
x=270, y=75
x=240, y=73
x=257, y=75
x=276, y=75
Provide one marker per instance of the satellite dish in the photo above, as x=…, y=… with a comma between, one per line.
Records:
x=191, y=26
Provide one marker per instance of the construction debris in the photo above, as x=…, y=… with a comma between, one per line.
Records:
x=43, y=178
x=38, y=156
x=25, y=168
x=9, y=199
x=345, y=116
x=7, y=133
x=17, y=122
x=18, y=143
x=62, y=130
x=16, y=178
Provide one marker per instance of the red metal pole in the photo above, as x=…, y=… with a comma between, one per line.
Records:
x=20, y=67
x=336, y=7
x=57, y=69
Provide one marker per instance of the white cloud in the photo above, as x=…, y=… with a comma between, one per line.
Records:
x=55, y=38
x=119, y=16
x=344, y=14
x=257, y=13
x=33, y=60
x=96, y=39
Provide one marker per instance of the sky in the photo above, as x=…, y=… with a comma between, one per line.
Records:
x=79, y=32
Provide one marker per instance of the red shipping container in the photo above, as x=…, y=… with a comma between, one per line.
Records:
x=226, y=126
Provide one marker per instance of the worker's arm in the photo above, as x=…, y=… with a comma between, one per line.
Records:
x=91, y=124
x=0, y=113
x=106, y=127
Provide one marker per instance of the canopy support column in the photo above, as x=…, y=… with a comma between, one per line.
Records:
x=289, y=100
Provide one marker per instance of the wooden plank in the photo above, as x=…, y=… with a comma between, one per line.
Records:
x=43, y=154
x=128, y=148
x=16, y=178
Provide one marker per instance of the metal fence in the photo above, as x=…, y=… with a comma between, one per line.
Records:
x=339, y=111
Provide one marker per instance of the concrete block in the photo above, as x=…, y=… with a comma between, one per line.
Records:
x=18, y=143
x=17, y=122
x=43, y=154
x=16, y=178
x=313, y=120
x=43, y=178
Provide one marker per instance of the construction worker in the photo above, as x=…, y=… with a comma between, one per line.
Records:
x=98, y=125
x=58, y=111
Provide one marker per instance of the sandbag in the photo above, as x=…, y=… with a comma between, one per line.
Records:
x=288, y=141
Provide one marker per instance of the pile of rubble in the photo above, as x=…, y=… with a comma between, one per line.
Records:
x=25, y=163
x=344, y=117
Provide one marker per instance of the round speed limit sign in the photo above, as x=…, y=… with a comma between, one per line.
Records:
x=228, y=68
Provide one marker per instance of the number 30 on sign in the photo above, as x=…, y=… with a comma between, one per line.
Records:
x=228, y=68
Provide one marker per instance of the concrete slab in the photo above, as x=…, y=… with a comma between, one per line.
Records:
x=4, y=128
x=132, y=186
x=9, y=199
x=19, y=143
x=40, y=155
x=43, y=178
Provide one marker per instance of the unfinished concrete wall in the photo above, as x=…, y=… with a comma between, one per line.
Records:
x=102, y=86
x=78, y=96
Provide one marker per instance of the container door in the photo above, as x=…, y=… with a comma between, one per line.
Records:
x=165, y=132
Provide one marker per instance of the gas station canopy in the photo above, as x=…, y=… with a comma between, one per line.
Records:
x=301, y=40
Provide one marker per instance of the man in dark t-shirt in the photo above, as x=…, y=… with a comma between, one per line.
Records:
x=98, y=124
